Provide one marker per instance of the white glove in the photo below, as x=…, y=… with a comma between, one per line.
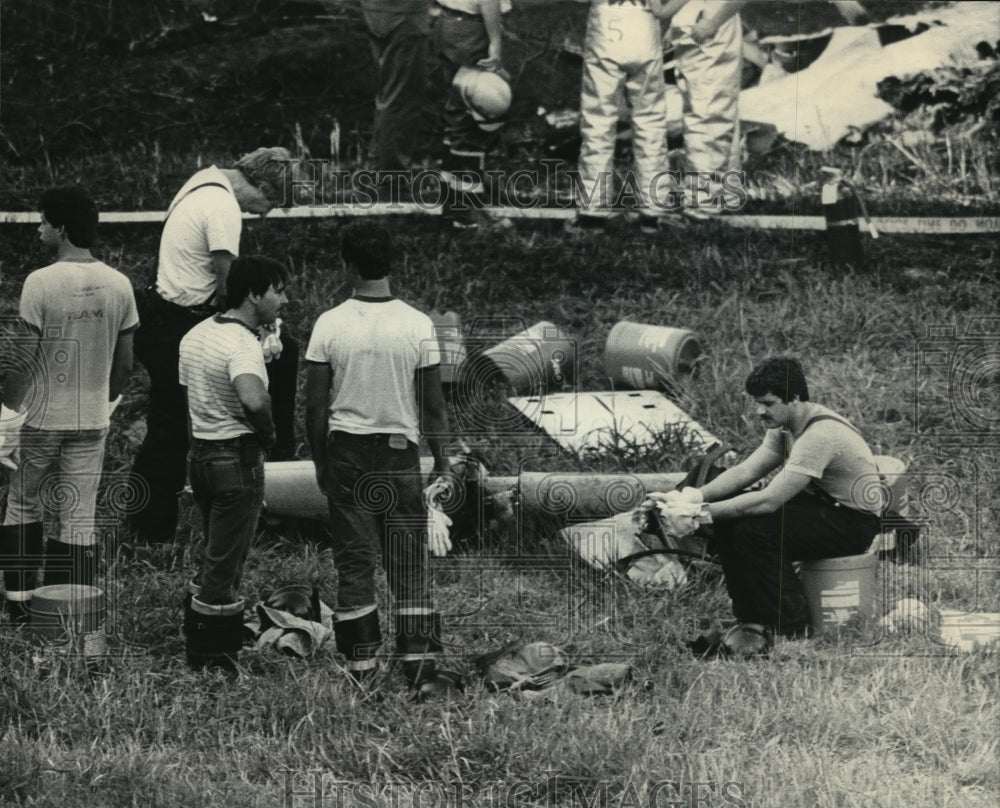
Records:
x=10, y=435
x=853, y=12
x=689, y=494
x=113, y=405
x=685, y=495
x=438, y=539
x=681, y=519
x=438, y=522
x=270, y=340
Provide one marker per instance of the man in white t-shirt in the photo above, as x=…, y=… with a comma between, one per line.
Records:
x=73, y=360
x=811, y=509
x=373, y=386
x=222, y=369
x=201, y=237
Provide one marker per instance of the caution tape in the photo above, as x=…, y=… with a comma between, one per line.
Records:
x=885, y=224
x=932, y=225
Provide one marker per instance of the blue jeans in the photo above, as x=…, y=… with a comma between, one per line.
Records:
x=227, y=479
x=374, y=491
x=58, y=477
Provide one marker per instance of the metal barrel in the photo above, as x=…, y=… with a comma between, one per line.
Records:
x=644, y=357
x=539, y=359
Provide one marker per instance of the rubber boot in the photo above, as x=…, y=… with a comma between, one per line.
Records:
x=213, y=635
x=21, y=554
x=70, y=563
x=358, y=639
x=193, y=590
x=417, y=644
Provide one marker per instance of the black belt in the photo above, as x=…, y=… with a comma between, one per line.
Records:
x=248, y=439
x=454, y=12
x=205, y=309
x=371, y=439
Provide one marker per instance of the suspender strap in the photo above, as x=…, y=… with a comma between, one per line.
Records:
x=189, y=192
x=814, y=489
x=152, y=287
x=816, y=418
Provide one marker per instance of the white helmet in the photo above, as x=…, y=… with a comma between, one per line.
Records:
x=486, y=94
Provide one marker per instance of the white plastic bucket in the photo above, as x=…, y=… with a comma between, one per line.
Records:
x=839, y=589
x=70, y=613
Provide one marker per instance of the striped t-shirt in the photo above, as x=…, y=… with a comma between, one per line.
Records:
x=213, y=354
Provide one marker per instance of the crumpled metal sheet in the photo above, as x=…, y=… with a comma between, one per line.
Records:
x=837, y=94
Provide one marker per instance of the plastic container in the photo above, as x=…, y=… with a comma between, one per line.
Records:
x=970, y=631
x=839, y=589
x=539, y=359
x=644, y=357
x=72, y=613
x=448, y=327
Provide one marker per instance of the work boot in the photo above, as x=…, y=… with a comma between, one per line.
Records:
x=213, y=635
x=359, y=636
x=417, y=645
x=21, y=553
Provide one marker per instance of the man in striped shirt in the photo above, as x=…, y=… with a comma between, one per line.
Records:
x=229, y=410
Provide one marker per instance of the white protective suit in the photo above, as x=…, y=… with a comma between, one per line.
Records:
x=711, y=76
x=623, y=49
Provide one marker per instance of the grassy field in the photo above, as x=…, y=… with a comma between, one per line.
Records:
x=863, y=720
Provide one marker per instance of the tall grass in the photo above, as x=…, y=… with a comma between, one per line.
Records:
x=865, y=719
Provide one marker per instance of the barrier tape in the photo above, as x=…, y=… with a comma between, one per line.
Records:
x=965, y=225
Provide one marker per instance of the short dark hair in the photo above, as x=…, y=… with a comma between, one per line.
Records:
x=73, y=209
x=780, y=375
x=367, y=247
x=253, y=273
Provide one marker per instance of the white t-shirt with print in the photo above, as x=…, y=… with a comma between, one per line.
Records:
x=79, y=308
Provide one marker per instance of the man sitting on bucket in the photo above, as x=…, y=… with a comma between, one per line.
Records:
x=810, y=509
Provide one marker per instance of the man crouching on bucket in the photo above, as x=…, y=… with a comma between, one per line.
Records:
x=808, y=510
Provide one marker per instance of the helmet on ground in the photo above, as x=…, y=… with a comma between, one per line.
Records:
x=486, y=94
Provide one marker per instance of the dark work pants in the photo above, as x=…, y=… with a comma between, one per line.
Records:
x=376, y=508
x=458, y=40
x=400, y=54
x=757, y=554
x=159, y=470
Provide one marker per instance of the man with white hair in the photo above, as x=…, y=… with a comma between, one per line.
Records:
x=201, y=237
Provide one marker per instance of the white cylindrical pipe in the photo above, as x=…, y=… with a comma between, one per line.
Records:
x=290, y=489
